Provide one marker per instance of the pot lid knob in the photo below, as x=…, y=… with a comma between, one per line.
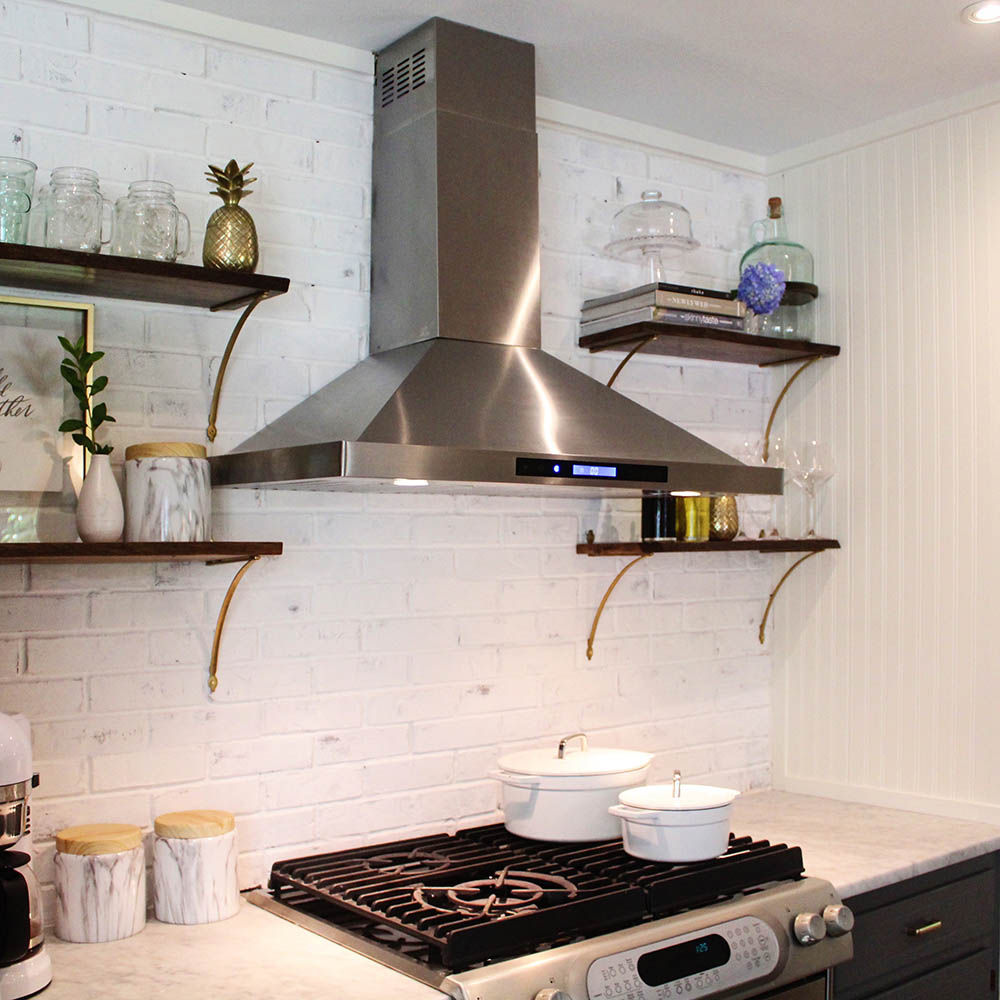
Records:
x=575, y=736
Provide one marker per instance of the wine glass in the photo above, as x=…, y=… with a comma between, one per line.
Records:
x=749, y=454
x=811, y=467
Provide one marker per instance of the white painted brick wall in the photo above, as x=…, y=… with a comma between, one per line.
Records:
x=401, y=643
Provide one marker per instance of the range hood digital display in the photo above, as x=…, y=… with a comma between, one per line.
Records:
x=569, y=468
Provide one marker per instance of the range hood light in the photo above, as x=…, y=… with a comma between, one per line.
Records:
x=984, y=12
x=410, y=482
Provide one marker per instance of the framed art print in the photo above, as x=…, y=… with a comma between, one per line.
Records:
x=34, y=398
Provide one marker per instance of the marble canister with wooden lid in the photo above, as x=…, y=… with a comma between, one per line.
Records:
x=167, y=493
x=100, y=876
x=194, y=867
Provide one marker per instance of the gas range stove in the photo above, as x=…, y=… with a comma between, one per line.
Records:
x=486, y=915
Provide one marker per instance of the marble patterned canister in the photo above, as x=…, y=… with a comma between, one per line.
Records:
x=194, y=867
x=167, y=493
x=100, y=877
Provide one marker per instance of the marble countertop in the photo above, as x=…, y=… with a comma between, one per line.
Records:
x=258, y=955
x=861, y=847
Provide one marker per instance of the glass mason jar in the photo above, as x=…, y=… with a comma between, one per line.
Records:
x=17, y=184
x=149, y=224
x=76, y=214
x=771, y=245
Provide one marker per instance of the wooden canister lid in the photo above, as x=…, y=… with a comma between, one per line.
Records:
x=194, y=824
x=165, y=449
x=99, y=838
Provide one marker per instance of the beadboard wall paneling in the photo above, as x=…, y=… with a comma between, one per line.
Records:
x=887, y=683
x=371, y=675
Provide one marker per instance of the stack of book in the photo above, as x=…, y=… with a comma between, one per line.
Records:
x=673, y=305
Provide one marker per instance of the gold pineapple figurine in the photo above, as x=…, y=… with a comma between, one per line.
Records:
x=230, y=236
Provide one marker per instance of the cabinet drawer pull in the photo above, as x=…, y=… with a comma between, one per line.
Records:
x=925, y=929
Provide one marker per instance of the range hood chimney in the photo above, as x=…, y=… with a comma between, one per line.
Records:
x=456, y=393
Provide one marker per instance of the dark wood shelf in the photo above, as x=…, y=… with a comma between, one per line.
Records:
x=707, y=345
x=101, y=275
x=112, y=552
x=669, y=545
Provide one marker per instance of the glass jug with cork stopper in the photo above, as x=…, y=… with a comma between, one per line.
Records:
x=771, y=245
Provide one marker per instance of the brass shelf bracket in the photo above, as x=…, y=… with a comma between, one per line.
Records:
x=777, y=403
x=252, y=304
x=774, y=593
x=604, y=600
x=628, y=357
x=213, y=666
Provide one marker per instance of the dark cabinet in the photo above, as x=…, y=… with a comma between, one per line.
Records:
x=935, y=935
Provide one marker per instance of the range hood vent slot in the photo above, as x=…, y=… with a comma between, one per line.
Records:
x=408, y=74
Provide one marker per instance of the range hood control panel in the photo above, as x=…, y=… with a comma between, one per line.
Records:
x=574, y=468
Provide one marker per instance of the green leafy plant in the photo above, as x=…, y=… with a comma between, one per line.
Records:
x=75, y=369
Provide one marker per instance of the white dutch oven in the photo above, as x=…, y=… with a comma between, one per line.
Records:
x=563, y=794
x=658, y=825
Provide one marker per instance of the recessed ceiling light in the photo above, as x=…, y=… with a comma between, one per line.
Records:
x=984, y=12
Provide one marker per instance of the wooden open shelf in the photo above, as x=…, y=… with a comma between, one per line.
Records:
x=102, y=275
x=707, y=345
x=112, y=552
x=670, y=545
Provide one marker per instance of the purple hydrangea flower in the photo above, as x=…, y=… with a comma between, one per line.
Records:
x=761, y=288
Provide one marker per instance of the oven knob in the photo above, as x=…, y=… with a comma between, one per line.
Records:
x=838, y=919
x=809, y=928
x=551, y=994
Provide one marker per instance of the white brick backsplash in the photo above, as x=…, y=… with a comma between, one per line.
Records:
x=315, y=122
x=44, y=107
x=349, y=91
x=370, y=676
x=11, y=658
x=370, y=743
x=145, y=127
x=254, y=72
x=10, y=68
x=163, y=49
x=139, y=770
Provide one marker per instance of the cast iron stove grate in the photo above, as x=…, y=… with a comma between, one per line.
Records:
x=485, y=894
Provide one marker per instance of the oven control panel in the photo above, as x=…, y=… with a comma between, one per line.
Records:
x=709, y=961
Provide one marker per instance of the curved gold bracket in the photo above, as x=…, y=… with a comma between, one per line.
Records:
x=774, y=593
x=628, y=357
x=604, y=600
x=212, y=430
x=777, y=403
x=213, y=666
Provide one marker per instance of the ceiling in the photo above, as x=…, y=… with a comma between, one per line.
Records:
x=763, y=76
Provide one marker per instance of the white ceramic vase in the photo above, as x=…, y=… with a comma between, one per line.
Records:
x=100, y=516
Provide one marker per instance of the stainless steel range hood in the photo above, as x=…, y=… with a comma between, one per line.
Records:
x=457, y=392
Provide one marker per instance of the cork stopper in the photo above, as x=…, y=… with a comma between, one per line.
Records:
x=194, y=824
x=773, y=212
x=98, y=838
x=165, y=449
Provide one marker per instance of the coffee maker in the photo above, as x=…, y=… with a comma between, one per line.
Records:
x=25, y=966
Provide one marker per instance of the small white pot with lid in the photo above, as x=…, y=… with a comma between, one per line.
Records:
x=675, y=823
x=564, y=793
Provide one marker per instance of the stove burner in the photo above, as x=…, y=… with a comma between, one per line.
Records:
x=507, y=893
x=415, y=862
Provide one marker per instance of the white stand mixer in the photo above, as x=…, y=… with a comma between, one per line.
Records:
x=25, y=966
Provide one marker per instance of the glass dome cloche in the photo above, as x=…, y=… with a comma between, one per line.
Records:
x=648, y=230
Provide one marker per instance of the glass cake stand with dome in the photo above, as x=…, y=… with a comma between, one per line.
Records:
x=650, y=229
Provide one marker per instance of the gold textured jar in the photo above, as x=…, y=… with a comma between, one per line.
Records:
x=724, y=520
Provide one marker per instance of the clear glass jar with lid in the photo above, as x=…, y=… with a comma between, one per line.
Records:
x=771, y=245
x=76, y=214
x=649, y=229
x=149, y=224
